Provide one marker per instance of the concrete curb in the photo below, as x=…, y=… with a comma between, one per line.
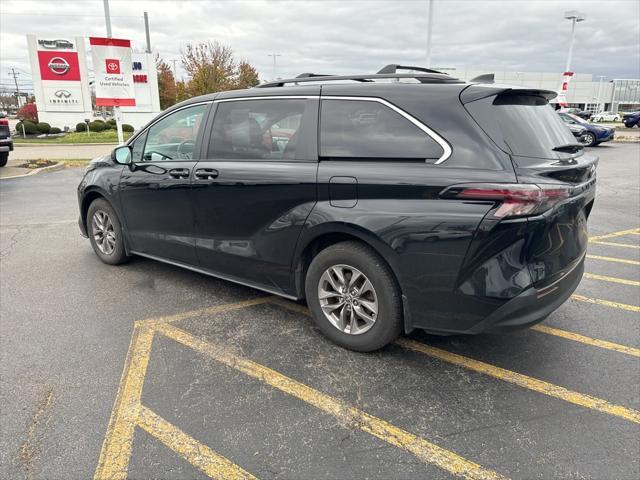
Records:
x=60, y=144
x=35, y=171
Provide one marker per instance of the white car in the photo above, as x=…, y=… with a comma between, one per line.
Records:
x=606, y=117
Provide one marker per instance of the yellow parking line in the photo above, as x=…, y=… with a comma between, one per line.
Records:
x=576, y=337
x=421, y=448
x=616, y=244
x=203, y=311
x=606, y=303
x=116, y=448
x=524, y=381
x=613, y=259
x=194, y=452
x=619, y=233
x=605, y=278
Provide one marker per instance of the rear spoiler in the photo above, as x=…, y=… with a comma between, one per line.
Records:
x=476, y=91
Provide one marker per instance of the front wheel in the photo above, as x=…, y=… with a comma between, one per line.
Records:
x=354, y=297
x=4, y=158
x=589, y=139
x=105, y=232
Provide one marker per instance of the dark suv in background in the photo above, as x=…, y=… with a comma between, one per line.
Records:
x=389, y=202
x=6, y=142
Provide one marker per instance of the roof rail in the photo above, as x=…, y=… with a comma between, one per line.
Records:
x=316, y=75
x=421, y=77
x=393, y=68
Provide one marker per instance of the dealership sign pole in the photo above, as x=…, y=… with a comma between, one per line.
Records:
x=113, y=75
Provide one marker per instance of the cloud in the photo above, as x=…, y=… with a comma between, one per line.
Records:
x=353, y=36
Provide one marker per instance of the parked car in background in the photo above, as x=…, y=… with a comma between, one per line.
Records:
x=6, y=142
x=429, y=204
x=578, y=113
x=606, y=117
x=631, y=119
x=578, y=131
x=594, y=135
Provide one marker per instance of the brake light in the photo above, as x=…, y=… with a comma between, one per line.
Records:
x=4, y=121
x=515, y=200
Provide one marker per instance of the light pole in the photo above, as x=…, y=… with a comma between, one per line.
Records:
x=429, y=28
x=274, y=55
x=117, y=113
x=575, y=17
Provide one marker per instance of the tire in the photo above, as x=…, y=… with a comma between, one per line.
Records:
x=590, y=139
x=111, y=250
x=4, y=158
x=629, y=125
x=385, y=294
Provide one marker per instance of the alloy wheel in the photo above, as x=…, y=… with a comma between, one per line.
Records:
x=348, y=299
x=103, y=232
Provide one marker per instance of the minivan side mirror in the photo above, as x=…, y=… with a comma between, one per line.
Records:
x=122, y=155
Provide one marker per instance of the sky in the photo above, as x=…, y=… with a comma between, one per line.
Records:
x=347, y=36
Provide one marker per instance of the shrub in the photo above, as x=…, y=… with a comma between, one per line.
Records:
x=55, y=130
x=99, y=120
x=81, y=127
x=43, y=127
x=112, y=122
x=96, y=126
x=127, y=128
x=28, y=112
x=29, y=128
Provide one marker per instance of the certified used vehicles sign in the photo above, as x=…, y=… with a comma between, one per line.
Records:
x=113, y=70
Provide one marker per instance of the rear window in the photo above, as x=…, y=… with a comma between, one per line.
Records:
x=523, y=125
x=369, y=129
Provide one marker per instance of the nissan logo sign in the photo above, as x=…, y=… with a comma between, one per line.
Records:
x=58, y=65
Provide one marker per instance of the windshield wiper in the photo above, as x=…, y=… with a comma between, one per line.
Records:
x=569, y=148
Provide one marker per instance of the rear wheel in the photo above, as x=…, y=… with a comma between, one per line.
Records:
x=354, y=297
x=4, y=158
x=105, y=233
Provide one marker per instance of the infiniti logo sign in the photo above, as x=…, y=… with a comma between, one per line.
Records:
x=58, y=65
x=62, y=94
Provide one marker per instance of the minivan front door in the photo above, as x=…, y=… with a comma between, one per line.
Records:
x=155, y=191
x=255, y=188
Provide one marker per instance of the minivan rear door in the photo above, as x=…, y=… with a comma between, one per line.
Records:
x=544, y=153
x=255, y=186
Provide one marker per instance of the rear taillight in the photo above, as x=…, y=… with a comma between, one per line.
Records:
x=513, y=200
x=4, y=121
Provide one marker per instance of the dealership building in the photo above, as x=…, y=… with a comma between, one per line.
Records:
x=585, y=91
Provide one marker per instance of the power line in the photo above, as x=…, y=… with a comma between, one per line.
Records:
x=15, y=79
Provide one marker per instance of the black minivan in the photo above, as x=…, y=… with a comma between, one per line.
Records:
x=389, y=202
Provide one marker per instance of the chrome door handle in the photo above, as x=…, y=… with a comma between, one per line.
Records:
x=206, y=173
x=179, y=172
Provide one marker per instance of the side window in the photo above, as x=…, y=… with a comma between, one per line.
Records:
x=174, y=137
x=137, y=147
x=368, y=129
x=257, y=129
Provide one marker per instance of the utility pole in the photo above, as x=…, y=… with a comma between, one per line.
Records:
x=429, y=29
x=274, y=55
x=146, y=31
x=15, y=79
x=117, y=113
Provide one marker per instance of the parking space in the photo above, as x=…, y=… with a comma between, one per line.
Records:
x=149, y=371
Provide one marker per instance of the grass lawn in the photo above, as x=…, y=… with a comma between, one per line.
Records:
x=108, y=136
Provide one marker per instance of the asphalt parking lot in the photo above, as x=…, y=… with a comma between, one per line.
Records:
x=150, y=371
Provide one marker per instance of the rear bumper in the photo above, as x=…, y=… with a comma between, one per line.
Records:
x=533, y=305
x=6, y=145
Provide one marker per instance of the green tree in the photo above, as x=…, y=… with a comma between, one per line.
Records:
x=166, y=84
x=212, y=67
